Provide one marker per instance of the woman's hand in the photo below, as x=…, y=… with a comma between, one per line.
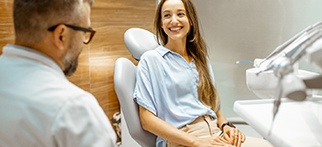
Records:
x=234, y=135
x=212, y=142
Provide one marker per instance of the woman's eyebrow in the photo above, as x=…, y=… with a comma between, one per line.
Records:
x=179, y=10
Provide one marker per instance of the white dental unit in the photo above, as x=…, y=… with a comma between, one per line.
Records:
x=290, y=113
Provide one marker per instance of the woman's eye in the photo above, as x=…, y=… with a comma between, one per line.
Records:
x=166, y=15
x=181, y=14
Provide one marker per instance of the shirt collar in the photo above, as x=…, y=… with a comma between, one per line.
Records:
x=162, y=50
x=31, y=54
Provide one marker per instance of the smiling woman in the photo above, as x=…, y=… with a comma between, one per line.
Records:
x=177, y=102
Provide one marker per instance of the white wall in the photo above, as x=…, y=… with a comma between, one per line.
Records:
x=248, y=29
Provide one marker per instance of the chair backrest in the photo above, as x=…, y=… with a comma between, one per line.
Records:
x=137, y=41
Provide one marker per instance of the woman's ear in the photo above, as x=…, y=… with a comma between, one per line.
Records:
x=60, y=36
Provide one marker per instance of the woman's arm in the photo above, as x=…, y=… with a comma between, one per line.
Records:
x=221, y=119
x=160, y=128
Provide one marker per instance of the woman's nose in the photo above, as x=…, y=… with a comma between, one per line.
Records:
x=174, y=19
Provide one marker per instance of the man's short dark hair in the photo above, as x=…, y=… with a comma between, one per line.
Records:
x=33, y=17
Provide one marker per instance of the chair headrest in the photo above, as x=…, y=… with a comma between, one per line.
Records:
x=138, y=41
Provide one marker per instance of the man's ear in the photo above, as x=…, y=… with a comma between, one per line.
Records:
x=60, y=36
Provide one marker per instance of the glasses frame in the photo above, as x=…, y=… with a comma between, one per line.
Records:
x=76, y=28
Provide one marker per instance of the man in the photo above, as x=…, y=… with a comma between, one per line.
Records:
x=38, y=105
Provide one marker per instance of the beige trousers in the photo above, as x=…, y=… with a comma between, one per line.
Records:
x=203, y=126
x=206, y=126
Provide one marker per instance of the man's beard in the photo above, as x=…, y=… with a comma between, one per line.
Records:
x=71, y=67
x=71, y=59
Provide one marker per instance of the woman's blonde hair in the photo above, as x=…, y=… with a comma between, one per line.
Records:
x=197, y=49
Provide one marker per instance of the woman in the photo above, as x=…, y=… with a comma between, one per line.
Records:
x=175, y=85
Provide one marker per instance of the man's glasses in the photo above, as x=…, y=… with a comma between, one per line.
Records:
x=88, y=32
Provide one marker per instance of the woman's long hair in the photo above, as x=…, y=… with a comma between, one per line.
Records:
x=196, y=48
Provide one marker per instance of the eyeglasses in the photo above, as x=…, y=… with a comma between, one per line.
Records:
x=89, y=32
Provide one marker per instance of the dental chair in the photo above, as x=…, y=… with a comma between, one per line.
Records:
x=138, y=41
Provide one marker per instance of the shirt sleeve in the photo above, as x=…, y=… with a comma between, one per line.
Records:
x=81, y=122
x=143, y=92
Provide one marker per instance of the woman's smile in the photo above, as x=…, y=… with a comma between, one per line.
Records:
x=175, y=29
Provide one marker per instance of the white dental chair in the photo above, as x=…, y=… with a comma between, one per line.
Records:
x=138, y=41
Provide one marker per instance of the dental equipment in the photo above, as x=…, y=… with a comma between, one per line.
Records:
x=282, y=60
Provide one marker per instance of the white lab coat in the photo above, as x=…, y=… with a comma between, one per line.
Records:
x=39, y=107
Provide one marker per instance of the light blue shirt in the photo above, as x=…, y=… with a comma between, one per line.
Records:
x=40, y=107
x=167, y=85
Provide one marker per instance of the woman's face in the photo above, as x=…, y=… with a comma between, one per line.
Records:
x=175, y=22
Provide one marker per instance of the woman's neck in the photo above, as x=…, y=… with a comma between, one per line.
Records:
x=179, y=47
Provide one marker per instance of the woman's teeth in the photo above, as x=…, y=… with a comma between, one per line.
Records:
x=175, y=29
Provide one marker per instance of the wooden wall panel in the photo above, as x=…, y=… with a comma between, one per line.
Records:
x=110, y=18
x=6, y=29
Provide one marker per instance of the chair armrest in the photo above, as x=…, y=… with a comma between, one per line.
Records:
x=237, y=121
